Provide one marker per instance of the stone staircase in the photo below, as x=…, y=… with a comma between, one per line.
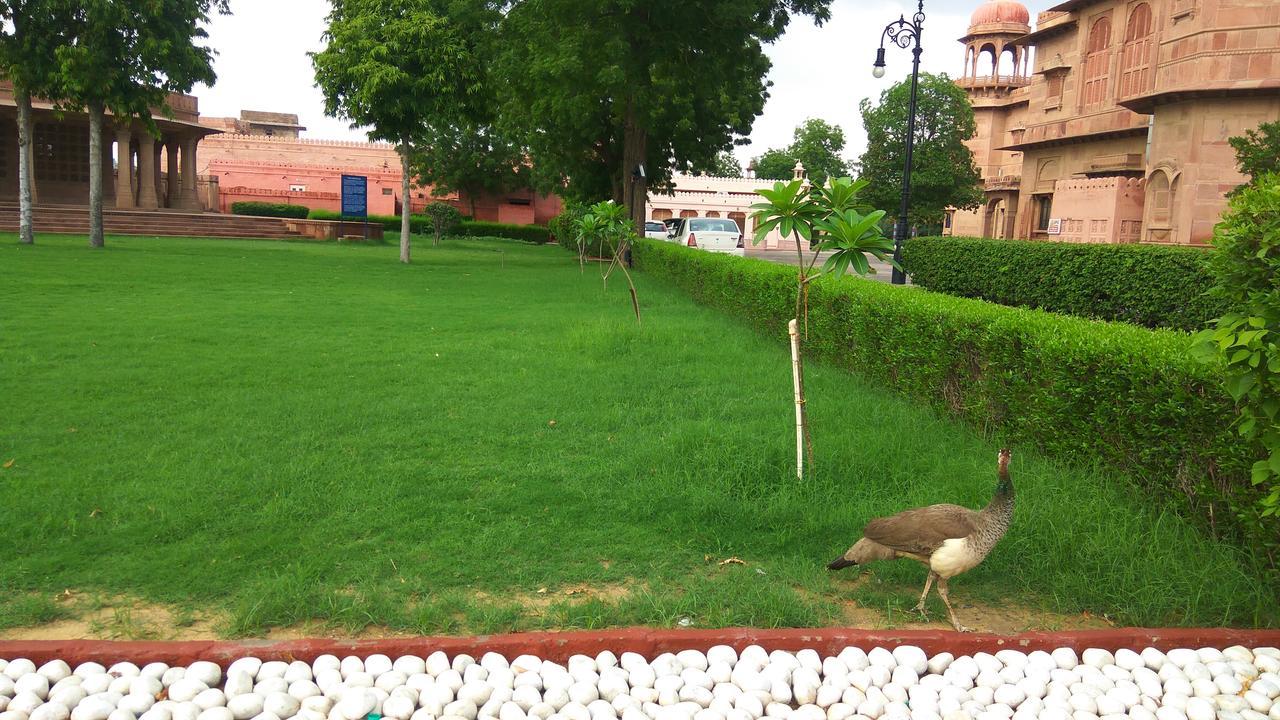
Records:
x=75, y=220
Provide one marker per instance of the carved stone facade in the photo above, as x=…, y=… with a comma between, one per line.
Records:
x=1120, y=132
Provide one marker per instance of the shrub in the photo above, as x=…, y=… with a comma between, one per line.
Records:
x=1086, y=391
x=1245, y=345
x=537, y=234
x=262, y=209
x=1147, y=285
x=445, y=219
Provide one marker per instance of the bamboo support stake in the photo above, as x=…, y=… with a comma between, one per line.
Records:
x=794, y=331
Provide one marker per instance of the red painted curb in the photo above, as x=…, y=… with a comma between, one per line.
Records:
x=558, y=646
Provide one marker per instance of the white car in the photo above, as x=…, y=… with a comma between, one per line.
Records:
x=715, y=234
x=655, y=229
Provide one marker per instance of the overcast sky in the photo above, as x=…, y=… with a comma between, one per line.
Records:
x=262, y=64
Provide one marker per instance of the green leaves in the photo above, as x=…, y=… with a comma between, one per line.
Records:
x=850, y=237
x=788, y=208
x=943, y=173
x=1243, y=343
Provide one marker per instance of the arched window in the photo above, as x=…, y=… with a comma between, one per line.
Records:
x=1160, y=192
x=1135, y=63
x=692, y=213
x=1097, y=62
x=986, y=61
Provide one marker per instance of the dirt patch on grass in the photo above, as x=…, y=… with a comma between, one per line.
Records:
x=119, y=618
x=980, y=617
x=575, y=594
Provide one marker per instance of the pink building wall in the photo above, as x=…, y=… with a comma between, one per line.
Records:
x=1099, y=210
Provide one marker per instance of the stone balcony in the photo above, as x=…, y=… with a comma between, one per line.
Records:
x=1004, y=182
x=986, y=81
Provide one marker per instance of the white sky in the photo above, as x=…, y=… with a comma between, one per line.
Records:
x=817, y=72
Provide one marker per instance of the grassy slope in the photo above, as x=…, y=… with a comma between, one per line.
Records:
x=292, y=431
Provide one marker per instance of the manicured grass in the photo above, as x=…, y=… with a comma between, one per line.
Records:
x=284, y=432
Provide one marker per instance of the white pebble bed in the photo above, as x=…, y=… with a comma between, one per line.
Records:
x=1184, y=684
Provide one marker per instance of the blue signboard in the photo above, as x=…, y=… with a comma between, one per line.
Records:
x=355, y=196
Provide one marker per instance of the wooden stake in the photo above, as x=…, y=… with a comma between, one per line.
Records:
x=794, y=331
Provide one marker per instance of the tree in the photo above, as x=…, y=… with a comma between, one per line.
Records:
x=832, y=216
x=943, y=174
x=470, y=159
x=816, y=144
x=397, y=66
x=1258, y=151
x=725, y=164
x=30, y=32
x=598, y=88
x=776, y=164
x=127, y=57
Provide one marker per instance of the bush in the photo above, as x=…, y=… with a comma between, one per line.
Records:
x=418, y=224
x=1147, y=285
x=536, y=234
x=262, y=209
x=1086, y=391
x=1243, y=346
x=445, y=218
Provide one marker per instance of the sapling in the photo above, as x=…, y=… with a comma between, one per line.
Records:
x=828, y=219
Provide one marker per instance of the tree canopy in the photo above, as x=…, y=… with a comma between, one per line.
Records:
x=817, y=144
x=397, y=66
x=943, y=174
x=598, y=87
x=1258, y=151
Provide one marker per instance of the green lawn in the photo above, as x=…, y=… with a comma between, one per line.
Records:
x=284, y=432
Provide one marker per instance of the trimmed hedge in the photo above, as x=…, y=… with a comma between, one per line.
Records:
x=418, y=224
x=1086, y=391
x=1149, y=285
x=536, y=234
x=262, y=209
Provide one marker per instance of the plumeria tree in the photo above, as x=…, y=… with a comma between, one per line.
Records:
x=607, y=225
x=825, y=219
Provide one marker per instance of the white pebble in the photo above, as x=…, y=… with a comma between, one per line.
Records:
x=215, y=713
x=206, y=672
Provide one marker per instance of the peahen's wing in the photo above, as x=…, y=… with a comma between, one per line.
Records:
x=922, y=530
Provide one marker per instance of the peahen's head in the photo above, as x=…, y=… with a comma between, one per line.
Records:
x=1002, y=463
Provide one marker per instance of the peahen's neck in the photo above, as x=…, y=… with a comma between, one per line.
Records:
x=998, y=514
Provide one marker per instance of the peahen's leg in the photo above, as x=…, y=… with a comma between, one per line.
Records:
x=942, y=592
x=928, y=583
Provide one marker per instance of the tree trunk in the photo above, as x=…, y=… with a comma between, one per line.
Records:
x=26, y=232
x=95, y=176
x=471, y=198
x=404, y=207
x=635, y=143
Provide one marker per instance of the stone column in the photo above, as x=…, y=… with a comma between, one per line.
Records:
x=173, y=190
x=124, y=170
x=108, y=177
x=159, y=153
x=190, y=201
x=146, y=172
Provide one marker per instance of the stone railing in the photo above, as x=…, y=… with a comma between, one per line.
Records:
x=1004, y=182
x=993, y=80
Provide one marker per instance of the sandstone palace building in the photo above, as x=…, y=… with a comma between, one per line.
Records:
x=1109, y=122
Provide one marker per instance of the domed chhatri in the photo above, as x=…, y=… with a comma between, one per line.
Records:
x=1000, y=11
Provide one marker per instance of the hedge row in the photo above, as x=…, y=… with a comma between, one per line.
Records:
x=537, y=234
x=1147, y=285
x=418, y=224
x=423, y=224
x=1085, y=391
x=262, y=209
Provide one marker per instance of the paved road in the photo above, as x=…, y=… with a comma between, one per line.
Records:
x=788, y=257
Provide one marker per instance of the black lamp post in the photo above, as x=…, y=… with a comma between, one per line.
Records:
x=903, y=33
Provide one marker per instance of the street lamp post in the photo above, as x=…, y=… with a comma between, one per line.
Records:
x=903, y=33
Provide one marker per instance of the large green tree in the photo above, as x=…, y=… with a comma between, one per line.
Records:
x=817, y=145
x=126, y=56
x=30, y=33
x=598, y=88
x=397, y=66
x=470, y=158
x=943, y=174
x=1258, y=151
x=776, y=164
x=469, y=151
